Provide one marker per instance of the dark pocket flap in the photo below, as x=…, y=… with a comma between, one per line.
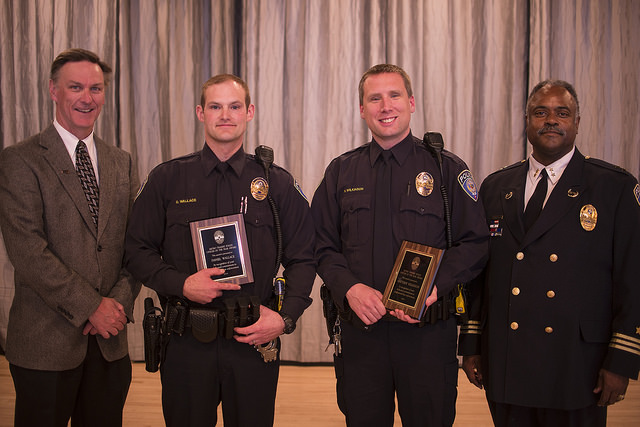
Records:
x=204, y=324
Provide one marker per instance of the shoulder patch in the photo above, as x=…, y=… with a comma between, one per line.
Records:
x=636, y=192
x=465, y=179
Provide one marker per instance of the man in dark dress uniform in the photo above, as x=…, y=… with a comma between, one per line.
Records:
x=554, y=334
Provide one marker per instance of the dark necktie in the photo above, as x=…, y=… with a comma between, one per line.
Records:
x=87, y=176
x=534, y=207
x=224, y=200
x=382, y=224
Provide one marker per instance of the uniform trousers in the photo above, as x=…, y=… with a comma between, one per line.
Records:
x=505, y=415
x=419, y=364
x=197, y=376
x=92, y=395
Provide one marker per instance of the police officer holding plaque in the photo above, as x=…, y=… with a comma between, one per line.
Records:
x=204, y=236
x=372, y=201
x=554, y=332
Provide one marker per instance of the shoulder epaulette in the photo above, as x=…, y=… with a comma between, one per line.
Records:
x=606, y=165
x=509, y=167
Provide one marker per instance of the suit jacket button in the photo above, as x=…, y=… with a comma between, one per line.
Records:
x=514, y=325
x=515, y=290
x=551, y=294
x=548, y=329
x=520, y=256
x=99, y=248
x=553, y=257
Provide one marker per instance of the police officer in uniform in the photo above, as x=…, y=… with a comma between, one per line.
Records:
x=220, y=180
x=554, y=334
x=387, y=353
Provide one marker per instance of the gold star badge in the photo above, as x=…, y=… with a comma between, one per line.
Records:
x=638, y=330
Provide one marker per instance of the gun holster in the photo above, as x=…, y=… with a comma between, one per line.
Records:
x=152, y=329
x=329, y=310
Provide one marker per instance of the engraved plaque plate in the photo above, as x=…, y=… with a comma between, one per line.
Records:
x=411, y=279
x=222, y=242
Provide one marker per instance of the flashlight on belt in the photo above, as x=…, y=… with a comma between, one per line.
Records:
x=278, y=290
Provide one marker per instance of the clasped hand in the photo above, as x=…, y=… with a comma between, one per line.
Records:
x=108, y=320
x=366, y=303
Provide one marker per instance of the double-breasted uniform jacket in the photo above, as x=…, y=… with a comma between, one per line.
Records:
x=63, y=266
x=559, y=302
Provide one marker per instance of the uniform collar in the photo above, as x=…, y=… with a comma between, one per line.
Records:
x=210, y=161
x=400, y=151
x=554, y=170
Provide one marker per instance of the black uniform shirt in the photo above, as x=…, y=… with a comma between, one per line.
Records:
x=343, y=208
x=159, y=249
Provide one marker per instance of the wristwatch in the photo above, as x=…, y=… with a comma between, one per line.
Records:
x=289, y=323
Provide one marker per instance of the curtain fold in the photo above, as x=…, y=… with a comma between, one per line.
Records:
x=472, y=64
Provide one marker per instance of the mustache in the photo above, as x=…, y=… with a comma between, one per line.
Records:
x=548, y=128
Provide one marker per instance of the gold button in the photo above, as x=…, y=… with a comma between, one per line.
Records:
x=553, y=257
x=520, y=256
x=548, y=329
x=551, y=294
x=515, y=291
x=514, y=325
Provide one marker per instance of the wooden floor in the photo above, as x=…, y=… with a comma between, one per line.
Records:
x=306, y=397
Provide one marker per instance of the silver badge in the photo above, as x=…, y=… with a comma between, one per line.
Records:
x=588, y=217
x=259, y=188
x=424, y=184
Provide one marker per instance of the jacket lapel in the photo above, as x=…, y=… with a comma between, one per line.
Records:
x=564, y=196
x=56, y=154
x=106, y=170
x=512, y=199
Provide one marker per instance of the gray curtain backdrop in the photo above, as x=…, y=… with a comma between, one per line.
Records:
x=472, y=63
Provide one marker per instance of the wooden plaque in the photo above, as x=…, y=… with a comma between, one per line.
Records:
x=222, y=242
x=411, y=279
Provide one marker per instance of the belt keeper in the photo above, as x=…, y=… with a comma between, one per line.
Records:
x=243, y=312
x=255, y=309
x=230, y=309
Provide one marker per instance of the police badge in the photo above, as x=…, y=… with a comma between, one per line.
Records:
x=636, y=192
x=259, y=188
x=588, y=217
x=424, y=184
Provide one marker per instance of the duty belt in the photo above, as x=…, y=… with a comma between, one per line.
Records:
x=208, y=323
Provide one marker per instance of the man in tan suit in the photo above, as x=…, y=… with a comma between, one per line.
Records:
x=65, y=196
